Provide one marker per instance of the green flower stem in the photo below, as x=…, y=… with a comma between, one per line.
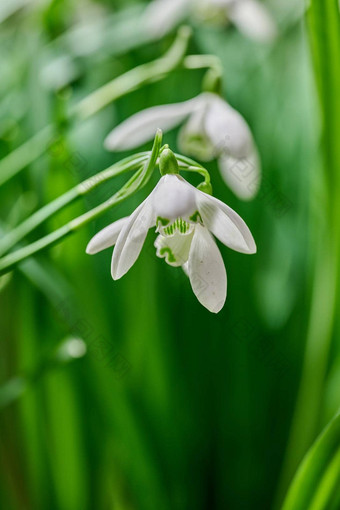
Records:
x=212, y=81
x=18, y=159
x=137, y=181
x=203, y=61
x=84, y=188
x=137, y=77
x=192, y=166
x=10, y=261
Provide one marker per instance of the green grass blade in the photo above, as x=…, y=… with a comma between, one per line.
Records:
x=316, y=478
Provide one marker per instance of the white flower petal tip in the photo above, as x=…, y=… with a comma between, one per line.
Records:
x=225, y=224
x=242, y=176
x=206, y=269
x=106, y=237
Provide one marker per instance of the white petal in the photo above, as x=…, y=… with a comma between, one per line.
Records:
x=185, y=268
x=131, y=239
x=228, y=131
x=225, y=224
x=142, y=126
x=207, y=273
x=243, y=176
x=253, y=20
x=174, y=198
x=161, y=16
x=175, y=249
x=106, y=237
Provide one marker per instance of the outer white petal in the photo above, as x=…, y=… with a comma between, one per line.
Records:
x=207, y=273
x=185, y=268
x=106, y=237
x=253, y=20
x=174, y=198
x=243, y=175
x=225, y=224
x=142, y=126
x=175, y=249
x=161, y=16
x=226, y=128
x=131, y=238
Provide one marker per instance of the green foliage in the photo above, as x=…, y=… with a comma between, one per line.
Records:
x=129, y=395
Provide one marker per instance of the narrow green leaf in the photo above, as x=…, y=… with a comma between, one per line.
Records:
x=84, y=188
x=317, y=476
x=137, y=181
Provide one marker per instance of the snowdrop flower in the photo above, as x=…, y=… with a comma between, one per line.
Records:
x=185, y=218
x=250, y=17
x=213, y=129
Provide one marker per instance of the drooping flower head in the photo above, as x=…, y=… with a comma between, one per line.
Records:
x=186, y=220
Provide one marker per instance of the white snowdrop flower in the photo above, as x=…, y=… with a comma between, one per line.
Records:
x=212, y=129
x=185, y=219
x=251, y=17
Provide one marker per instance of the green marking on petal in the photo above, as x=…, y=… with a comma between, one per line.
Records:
x=178, y=226
x=162, y=221
x=196, y=218
x=168, y=254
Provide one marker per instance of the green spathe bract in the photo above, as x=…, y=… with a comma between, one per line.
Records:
x=168, y=162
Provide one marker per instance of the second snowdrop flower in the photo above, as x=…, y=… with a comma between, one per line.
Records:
x=212, y=129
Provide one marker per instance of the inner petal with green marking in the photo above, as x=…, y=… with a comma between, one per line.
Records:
x=174, y=248
x=179, y=225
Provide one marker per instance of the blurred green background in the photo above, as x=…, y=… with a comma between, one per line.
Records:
x=130, y=395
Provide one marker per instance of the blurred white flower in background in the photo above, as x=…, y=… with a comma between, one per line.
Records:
x=184, y=217
x=213, y=130
x=251, y=17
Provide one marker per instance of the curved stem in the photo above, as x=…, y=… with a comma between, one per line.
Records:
x=135, y=78
x=141, y=75
x=202, y=61
x=192, y=166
